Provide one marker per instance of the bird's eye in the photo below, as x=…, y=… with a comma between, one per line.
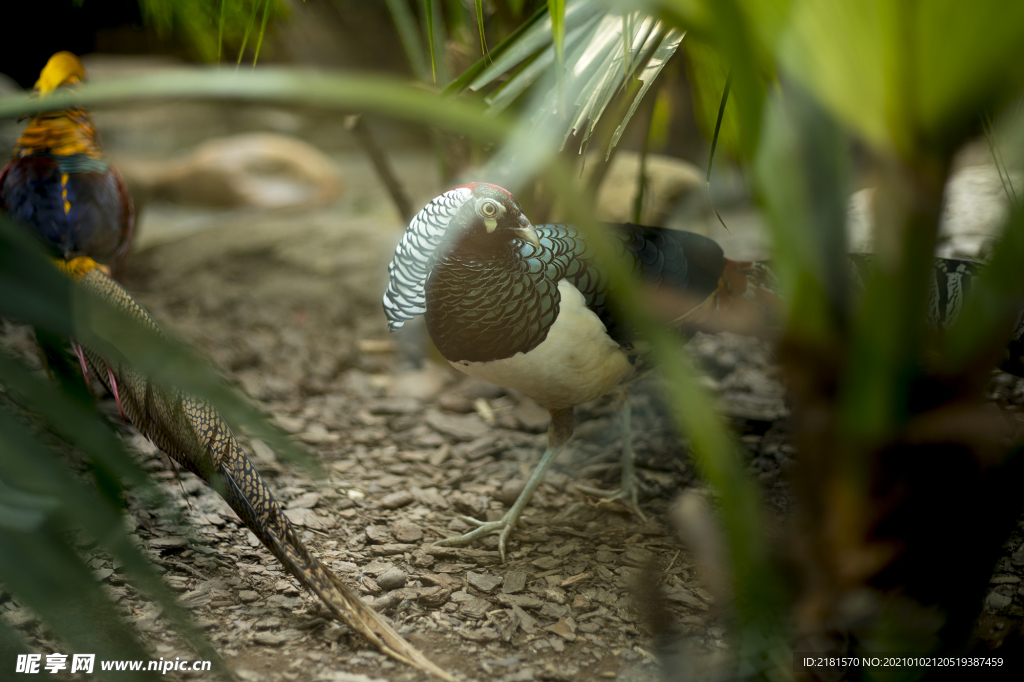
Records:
x=489, y=209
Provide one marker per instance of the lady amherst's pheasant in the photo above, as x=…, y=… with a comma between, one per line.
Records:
x=528, y=307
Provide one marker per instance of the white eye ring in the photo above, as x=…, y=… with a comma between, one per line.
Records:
x=489, y=209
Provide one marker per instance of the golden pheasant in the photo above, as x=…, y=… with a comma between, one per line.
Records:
x=60, y=183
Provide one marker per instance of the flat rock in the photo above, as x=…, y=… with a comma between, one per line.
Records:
x=546, y=563
x=168, y=543
x=392, y=579
x=564, y=628
x=378, y=534
x=514, y=582
x=306, y=518
x=483, y=581
x=304, y=501
x=397, y=499
x=463, y=427
x=523, y=601
x=406, y=531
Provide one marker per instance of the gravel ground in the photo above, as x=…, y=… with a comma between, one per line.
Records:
x=287, y=306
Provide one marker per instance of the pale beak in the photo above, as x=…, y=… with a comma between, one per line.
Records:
x=526, y=232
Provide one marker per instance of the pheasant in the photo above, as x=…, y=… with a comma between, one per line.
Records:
x=528, y=308
x=60, y=183
x=60, y=186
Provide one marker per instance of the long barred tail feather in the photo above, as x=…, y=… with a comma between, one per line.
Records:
x=193, y=434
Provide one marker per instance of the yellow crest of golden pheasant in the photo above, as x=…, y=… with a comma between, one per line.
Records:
x=69, y=132
x=62, y=68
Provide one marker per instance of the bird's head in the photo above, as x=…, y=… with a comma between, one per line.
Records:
x=63, y=68
x=488, y=218
x=477, y=216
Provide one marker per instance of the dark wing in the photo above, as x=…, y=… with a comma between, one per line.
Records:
x=678, y=270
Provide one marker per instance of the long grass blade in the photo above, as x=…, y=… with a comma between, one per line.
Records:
x=428, y=22
x=405, y=24
x=263, y=30
x=718, y=128
x=480, y=24
x=248, y=30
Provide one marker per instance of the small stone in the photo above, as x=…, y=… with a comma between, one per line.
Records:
x=393, y=406
x=430, y=497
x=397, y=499
x=307, y=518
x=406, y=531
x=269, y=638
x=304, y=501
x=378, y=534
x=510, y=491
x=605, y=557
x=271, y=623
x=418, y=384
x=554, y=611
x=460, y=427
x=286, y=587
x=247, y=596
x=638, y=556
x=996, y=601
x=683, y=596
x=476, y=608
x=515, y=581
x=523, y=601
x=423, y=560
x=546, y=563
x=392, y=579
x=483, y=581
x=564, y=628
x=290, y=424
x=317, y=433
x=167, y=544
x=556, y=595
x=582, y=602
x=262, y=451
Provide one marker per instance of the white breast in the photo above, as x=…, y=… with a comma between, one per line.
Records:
x=577, y=361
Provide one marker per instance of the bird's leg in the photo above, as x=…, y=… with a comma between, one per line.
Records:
x=629, y=484
x=558, y=433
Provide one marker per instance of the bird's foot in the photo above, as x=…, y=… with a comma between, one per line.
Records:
x=628, y=493
x=503, y=527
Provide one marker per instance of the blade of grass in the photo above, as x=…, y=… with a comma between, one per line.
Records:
x=718, y=129
x=480, y=23
x=263, y=30
x=405, y=24
x=248, y=30
x=428, y=22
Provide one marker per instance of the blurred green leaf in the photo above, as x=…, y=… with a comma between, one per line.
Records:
x=206, y=25
x=408, y=33
x=556, y=10
x=347, y=92
x=708, y=77
x=897, y=71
